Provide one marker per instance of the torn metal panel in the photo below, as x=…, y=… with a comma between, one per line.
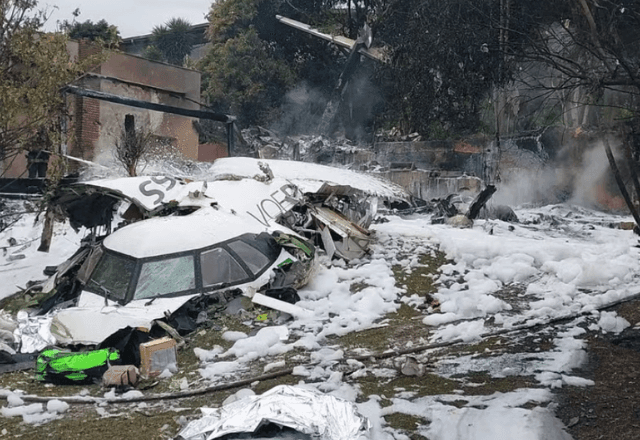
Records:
x=260, y=189
x=92, y=321
x=63, y=269
x=305, y=410
x=85, y=208
x=92, y=204
x=327, y=241
x=282, y=306
x=357, y=205
x=294, y=273
x=308, y=177
x=353, y=240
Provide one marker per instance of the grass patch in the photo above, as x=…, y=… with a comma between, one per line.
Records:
x=420, y=280
x=359, y=286
x=400, y=330
x=426, y=385
x=147, y=423
x=266, y=385
x=406, y=423
x=25, y=381
x=488, y=385
x=486, y=347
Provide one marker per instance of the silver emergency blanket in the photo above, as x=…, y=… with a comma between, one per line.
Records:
x=34, y=333
x=306, y=410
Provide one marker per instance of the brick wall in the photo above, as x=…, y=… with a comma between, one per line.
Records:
x=87, y=127
x=86, y=115
x=86, y=49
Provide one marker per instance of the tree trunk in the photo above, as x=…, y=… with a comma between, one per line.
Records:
x=47, y=232
x=621, y=185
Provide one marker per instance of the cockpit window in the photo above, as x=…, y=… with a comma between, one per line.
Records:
x=162, y=277
x=252, y=257
x=219, y=267
x=112, y=276
x=236, y=261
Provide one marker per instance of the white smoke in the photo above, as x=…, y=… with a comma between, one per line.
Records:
x=578, y=176
x=590, y=177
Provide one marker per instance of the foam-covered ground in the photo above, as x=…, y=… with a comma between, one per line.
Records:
x=567, y=261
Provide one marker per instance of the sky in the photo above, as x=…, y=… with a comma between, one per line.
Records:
x=132, y=17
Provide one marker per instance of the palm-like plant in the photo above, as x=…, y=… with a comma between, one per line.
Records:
x=174, y=40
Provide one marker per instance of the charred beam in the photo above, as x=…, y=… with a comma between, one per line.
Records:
x=131, y=102
x=102, y=96
x=480, y=201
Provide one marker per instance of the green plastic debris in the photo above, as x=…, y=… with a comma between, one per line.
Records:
x=63, y=367
x=285, y=262
x=262, y=317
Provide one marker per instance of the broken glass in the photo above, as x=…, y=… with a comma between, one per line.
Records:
x=166, y=276
x=112, y=276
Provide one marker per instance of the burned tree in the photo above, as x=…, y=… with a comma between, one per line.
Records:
x=132, y=145
x=585, y=55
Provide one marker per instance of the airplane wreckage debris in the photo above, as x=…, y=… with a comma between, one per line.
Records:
x=184, y=248
x=286, y=411
x=455, y=211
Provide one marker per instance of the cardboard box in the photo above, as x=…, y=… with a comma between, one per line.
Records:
x=118, y=375
x=157, y=355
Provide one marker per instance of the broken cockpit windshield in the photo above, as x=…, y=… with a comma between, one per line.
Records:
x=240, y=260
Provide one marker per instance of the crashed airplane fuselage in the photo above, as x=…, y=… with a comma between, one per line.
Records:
x=151, y=268
x=249, y=227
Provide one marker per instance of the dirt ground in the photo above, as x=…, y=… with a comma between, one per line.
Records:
x=611, y=408
x=608, y=410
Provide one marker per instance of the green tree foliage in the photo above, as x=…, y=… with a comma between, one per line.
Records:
x=449, y=56
x=152, y=53
x=174, y=40
x=100, y=32
x=450, y=60
x=245, y=79
x=33, y=69
x=273, y=56
x=444, y=62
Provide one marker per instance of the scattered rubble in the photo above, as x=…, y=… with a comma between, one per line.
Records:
x=163, y=251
